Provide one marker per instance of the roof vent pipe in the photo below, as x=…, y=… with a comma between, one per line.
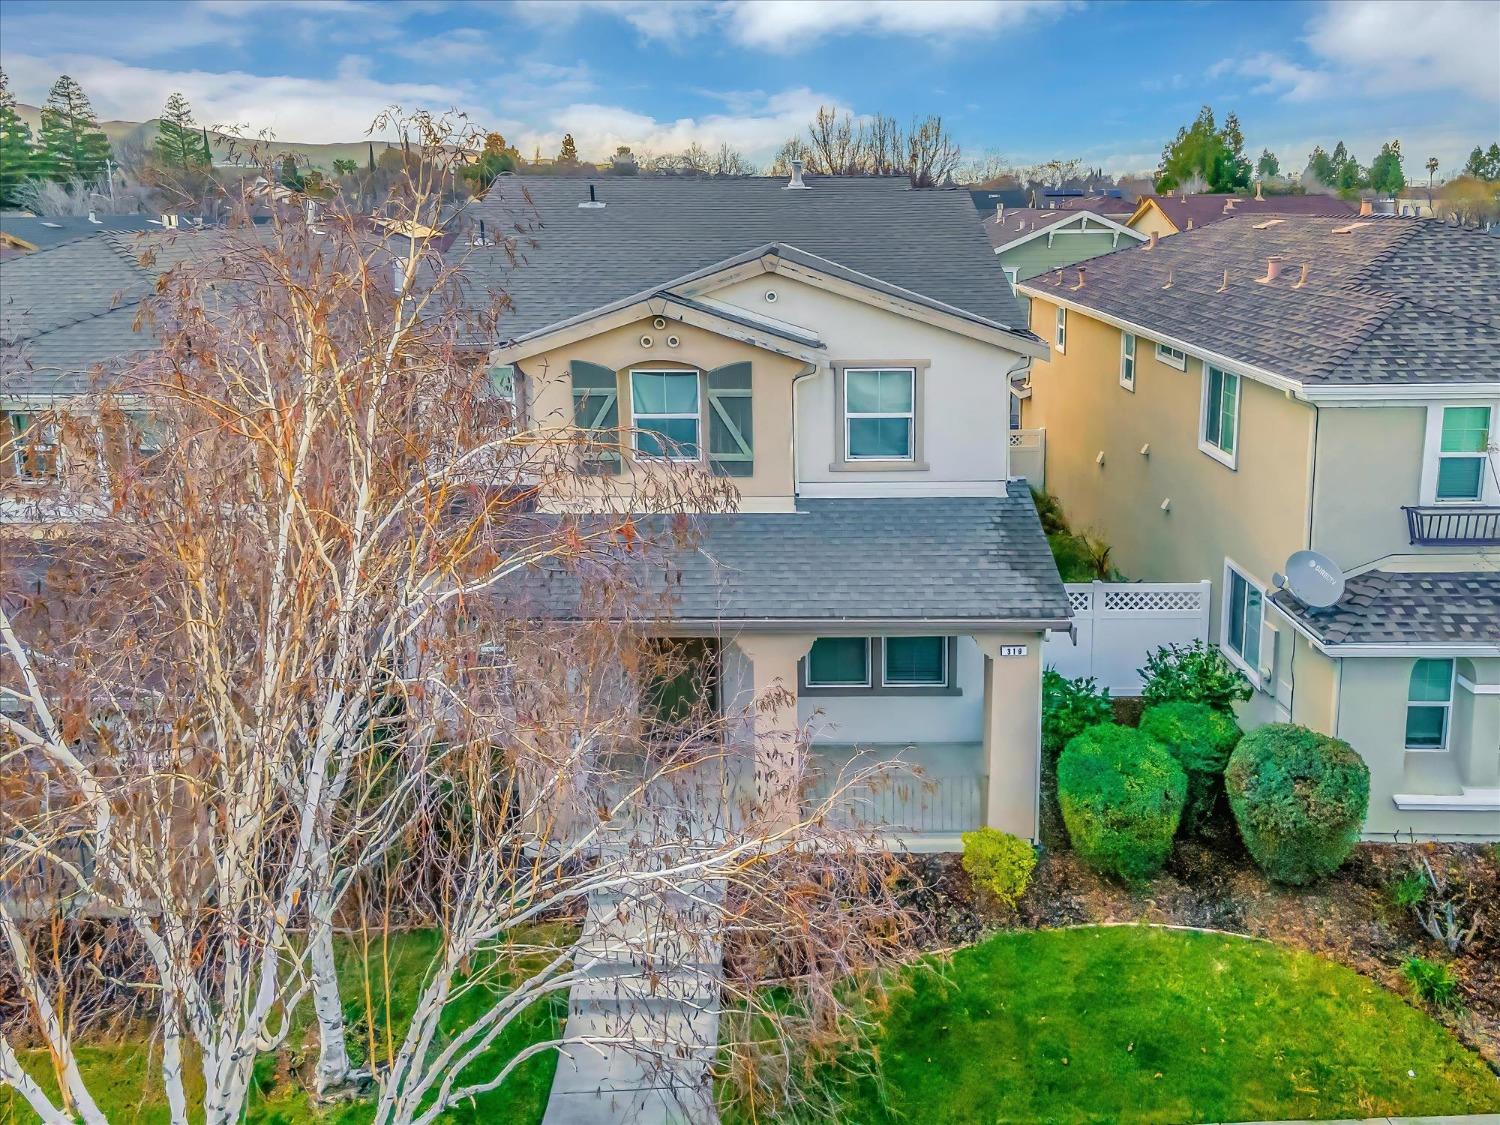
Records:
x=1151, y=245
x=1080, y=278
x=93, y=216
x=1258, y=195
x=1273, y=270
x=796, y=180
x=1301, y=281
x=1190, y=224
x=1224, y=286
x=1366, y=207
x=1000, y=211
x=592, y=203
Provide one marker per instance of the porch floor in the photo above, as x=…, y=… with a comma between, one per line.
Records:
x=924, y=794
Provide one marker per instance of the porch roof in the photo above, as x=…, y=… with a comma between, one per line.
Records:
x=1417, y=607
x=964, y=560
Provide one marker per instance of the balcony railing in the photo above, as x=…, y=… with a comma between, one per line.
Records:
x=1453, y=526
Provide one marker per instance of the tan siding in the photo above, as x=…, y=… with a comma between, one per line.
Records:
x=1255, y=514
x=1369, y=464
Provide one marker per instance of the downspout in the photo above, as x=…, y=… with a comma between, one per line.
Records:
x=812, y=369
x=1023, y=363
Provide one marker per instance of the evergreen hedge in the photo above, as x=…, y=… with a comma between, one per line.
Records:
x=1122, y=797
x=1299, y=798
x=1201, y=738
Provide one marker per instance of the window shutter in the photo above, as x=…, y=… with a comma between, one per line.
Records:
x=731, y=432
x=596, y=410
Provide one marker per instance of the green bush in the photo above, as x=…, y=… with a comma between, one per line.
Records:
x=1201, y=739
x=999, y=863
x=1070, y=707
x=1432, y=981
x=1299, y=798
x=1122, y=797
x=1195, y=673
x=1410, y=890
x=1050, y=512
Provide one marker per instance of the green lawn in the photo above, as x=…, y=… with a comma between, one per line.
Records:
x=121, y=1078
x=1133, y=1023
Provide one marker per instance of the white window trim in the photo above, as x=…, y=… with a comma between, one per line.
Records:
x=1060, y=330
x=1179, y=360
x=867, y=682
x=1253, y=674
x=49, y=437
x=909, y=415
x=1128, y=349
x=885, y=669
x=1011, y=273
x=1432, y=454
x=1227, y=459
x=1446, y=705
x=696, y=416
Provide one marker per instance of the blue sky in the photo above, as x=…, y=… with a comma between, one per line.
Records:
x=1026, y=79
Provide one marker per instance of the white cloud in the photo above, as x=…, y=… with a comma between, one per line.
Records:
x=1400, y=45
x=312, y=110
x=791, y=25
x=1384, y=48
x=1277, y=76
x=756, y=130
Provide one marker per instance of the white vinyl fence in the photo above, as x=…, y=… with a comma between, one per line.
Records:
x=1119, y=624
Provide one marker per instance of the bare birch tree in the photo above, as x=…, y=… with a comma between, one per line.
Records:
x=330, y=638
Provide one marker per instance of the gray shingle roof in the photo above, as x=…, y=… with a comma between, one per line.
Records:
x=1393, y=301
x=948, y=558
x=1407, y=607
x=652, y=231
x=44, y=233
x=1206, y=207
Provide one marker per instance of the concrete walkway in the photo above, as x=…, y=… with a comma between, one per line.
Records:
x=653, y=969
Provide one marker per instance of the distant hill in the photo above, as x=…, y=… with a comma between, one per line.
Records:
x=144, y=132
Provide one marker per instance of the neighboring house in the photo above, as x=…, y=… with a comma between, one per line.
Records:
x=1112, y=203
x=1029, y=240
x=843, y=351
x=1219, y=400
x=1164, y=215
x=986, y=200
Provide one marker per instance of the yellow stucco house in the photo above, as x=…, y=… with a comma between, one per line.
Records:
x=1219, y=400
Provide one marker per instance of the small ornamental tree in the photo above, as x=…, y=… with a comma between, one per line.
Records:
x=1070, y=707
x=1299, y=798
x=1195, y=673
x=1201, y=739
x=1122, y=797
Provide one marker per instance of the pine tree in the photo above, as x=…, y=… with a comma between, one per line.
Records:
x=177, y=142
x=17, y=157
x=1267, y=167
x=73, y=147
x=568, y=154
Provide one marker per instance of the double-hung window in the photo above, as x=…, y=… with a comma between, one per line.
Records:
x=880, y=413
x=1429, y=704
x=916, y=662
x=1172, y=357
x=1127, y=361
x=1221, y=414
x=1061, y=336
x=666, y=414
x=502, y=378
x=1463, y=454
x=34, y=447
x=839, y=662
x=1243, y=605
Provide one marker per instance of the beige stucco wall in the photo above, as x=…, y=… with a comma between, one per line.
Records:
x=1256, y=513
x=965, y=408
x=1372, y=719
x=1369, y=463
x=1152, y=221
x=550, y=404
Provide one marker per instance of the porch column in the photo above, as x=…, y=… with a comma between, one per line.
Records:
x=1012, y=730
x=778, y=738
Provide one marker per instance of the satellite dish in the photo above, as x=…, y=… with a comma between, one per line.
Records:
x=1313, y=579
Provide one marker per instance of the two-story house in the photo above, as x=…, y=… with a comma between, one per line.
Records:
x=1221, y=399
x=841, y=349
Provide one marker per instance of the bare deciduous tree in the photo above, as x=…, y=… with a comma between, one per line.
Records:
x=344, y=643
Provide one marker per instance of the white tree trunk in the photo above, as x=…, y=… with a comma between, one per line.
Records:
x=12, y=1075
x=333, y=1052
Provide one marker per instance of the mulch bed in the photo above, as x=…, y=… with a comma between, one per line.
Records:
x=1212, y=884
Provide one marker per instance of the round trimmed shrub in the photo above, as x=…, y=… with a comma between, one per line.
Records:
x=999, y=863
x=1299, y=798
x=1122, y=797
x=1201, y=738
